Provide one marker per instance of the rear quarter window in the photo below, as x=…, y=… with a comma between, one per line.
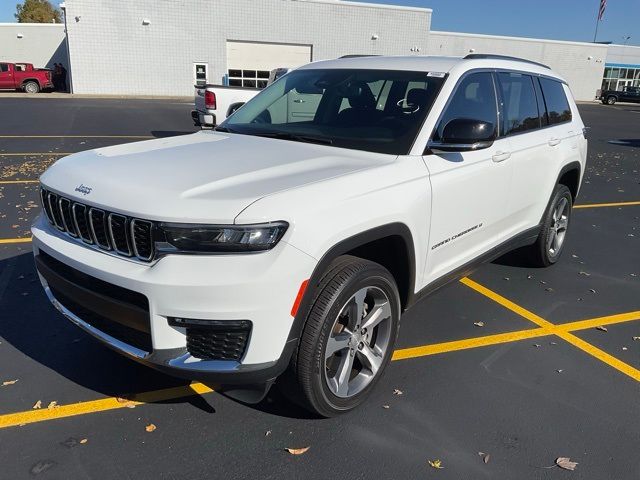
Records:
x=556, y=101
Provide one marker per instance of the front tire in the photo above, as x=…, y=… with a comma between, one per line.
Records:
x=31, y=87
x=548, y=247
x=611, y=100
x=349, y=336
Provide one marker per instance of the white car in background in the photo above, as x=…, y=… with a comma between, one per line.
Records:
x=214, y=103
x=285, y=245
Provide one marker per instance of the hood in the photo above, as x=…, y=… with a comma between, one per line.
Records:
x=207, y=177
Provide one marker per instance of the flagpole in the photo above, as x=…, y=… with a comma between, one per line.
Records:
x=595, y=35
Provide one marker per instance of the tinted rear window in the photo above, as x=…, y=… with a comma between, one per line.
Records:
x=556, y=101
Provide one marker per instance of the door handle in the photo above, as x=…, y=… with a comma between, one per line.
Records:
x=500, y=156
x=299, y=100
x=554, y=141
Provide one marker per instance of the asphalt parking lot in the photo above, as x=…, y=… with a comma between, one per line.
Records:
x=500, y=373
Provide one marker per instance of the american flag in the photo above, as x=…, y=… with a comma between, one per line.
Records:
x=603, y=6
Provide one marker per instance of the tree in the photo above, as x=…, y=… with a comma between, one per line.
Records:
x=37, y=11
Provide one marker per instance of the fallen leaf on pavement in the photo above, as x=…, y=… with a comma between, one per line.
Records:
x=397, y=392
x=267, y=433
x=601, y=328
x=435, y=464
x=297, y=451
x=9, y=382
x=566, y=463
x=636, y=338
x=83, y=441
x=479, y=324
x=485, y=456
x=150, y=428
x=386, y=407
x=37, y=405
x=52, y=405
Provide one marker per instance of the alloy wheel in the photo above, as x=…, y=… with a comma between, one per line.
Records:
x=358, y=342
x=558, y=228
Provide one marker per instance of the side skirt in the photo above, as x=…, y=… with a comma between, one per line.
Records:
x=528, y=237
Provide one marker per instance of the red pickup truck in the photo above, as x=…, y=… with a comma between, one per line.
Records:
x=22, y=76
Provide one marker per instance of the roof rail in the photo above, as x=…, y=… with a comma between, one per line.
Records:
x=480, y=56
x=358, y=56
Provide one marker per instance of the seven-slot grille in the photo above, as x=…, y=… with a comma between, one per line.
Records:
x=112, y=232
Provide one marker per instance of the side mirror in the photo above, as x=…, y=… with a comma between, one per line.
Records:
x=464, y=135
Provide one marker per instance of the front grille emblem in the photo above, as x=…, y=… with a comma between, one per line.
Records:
x=83, y=189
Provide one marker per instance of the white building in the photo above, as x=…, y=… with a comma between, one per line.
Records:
x=153, y=47
x=42, y=44
x=163, y=47
x=581, y=64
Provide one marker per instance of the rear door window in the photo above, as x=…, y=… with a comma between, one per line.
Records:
x=556, y=101
x=519, y=104
x=4, y=67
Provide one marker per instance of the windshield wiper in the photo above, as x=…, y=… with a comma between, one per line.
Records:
x=294, y=137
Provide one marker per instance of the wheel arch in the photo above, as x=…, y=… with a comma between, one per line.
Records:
x=26, y=80
x=391, y=245
x=570, y=177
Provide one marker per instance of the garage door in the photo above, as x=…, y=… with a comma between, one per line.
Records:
x=249, y=63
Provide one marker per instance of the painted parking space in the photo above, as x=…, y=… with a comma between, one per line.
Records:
x=509, y=362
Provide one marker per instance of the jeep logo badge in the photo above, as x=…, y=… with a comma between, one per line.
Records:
x=83, y=190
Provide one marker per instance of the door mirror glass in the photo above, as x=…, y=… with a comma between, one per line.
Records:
x=465, y=134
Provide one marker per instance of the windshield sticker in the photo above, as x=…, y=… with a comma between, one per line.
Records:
x=457, y=235
x=436, y=74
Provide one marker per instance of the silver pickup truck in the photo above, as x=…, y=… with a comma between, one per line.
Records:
x=214, y=103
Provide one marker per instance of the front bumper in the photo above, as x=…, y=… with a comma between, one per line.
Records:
x=260, y=288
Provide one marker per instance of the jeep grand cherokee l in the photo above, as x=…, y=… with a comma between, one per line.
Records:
x=287, y=246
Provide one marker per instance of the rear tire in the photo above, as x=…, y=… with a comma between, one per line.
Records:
x=31, y=87
x=551, y=239
x=611, y=100
x=348, y=338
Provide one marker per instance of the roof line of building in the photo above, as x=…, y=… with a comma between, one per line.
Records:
x=523, y=39
x=369, y=5
x=17, y=24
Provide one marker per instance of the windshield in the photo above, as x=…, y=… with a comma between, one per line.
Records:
x=373, y=110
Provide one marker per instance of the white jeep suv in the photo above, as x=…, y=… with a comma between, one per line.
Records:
x=290, y=240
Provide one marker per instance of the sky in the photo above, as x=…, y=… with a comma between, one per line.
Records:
x=552, y=19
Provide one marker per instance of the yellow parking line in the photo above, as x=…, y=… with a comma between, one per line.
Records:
x=112, y=403
x=102, y=405
x=14, y=182
x=601, y=355
x=561, y=330
x=36, y=154
x=541, y=322
x=77, y=136
x=424, y=350
x=602, y=205
x=14, y=240
x=596, y=322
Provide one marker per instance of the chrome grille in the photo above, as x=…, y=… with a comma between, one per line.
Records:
x=111, y=232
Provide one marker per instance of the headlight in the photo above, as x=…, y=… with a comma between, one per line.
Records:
x=219, y=238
